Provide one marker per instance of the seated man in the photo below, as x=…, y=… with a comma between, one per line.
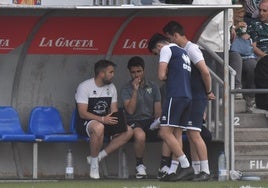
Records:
x=96, y=100
x=142, y=102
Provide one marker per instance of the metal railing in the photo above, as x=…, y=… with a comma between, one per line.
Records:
x=216, y=122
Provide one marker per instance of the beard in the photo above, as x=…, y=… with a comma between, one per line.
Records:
x=106, y=82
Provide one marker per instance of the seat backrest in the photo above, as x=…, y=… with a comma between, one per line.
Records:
x=9, y=121
x=45, y=120
x=73, y=121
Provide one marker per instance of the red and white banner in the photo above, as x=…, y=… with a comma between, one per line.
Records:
x=14, y=31
x=89, y=35
x=135, y=37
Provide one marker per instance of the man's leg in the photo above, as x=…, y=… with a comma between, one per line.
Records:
x=199, y=154
x=249, y=83
x=95, y=130
x=165, y=161
x=235, y=61
x=139, y=148
x=168, y=135
x=119, y=140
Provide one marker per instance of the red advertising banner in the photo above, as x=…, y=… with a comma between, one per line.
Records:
x=75, y=35
x=14, y=31
x=88, y=35
x=83, y=35
x=135, y=37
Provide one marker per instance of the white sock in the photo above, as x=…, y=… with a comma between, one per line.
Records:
x=204, y=166
x=94, y=162
x=102, y=154
x=173, y=167
x=196, y=166
x=184, y=161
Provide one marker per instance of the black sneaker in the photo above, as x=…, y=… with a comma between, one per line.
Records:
x=185, y=174
x=203, y=176
x=169, y=177
x=161, y=174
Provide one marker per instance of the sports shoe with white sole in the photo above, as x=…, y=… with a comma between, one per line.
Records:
x=162, y=172
x=94, y=172
x=141, y=171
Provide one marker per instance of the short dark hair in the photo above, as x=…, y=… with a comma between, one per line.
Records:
x=101, y=65
x=135, y=61
x=173, y=27
x=156, y=38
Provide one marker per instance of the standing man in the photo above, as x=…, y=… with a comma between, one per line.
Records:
x=96, y=100
x=142, y=103
x=201, y=93
x=174, y=68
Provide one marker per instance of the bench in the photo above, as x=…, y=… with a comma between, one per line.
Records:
x=45, y=125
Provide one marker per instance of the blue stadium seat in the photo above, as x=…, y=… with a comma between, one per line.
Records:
x=46, y=124
x=10, y=126
x=73, y=128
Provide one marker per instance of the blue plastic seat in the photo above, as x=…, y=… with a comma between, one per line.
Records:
x=10, y=126
x=46, y=124
x=73, y=126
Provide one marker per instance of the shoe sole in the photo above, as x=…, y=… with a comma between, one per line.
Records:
x=141, y=176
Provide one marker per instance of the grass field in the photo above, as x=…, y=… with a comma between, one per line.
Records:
x=130, y=184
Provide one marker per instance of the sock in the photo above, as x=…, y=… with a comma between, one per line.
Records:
x=184, y=161
x=94, y=162
x=165, y=161
x=173, y=167
x=196, y=166
x=139, y=161
x=204, y=166
x=102, y=154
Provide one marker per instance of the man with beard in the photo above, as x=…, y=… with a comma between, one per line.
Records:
x=96, y=101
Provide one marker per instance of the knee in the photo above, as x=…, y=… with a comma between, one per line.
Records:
x=140, y=136
x=129, y=133
x=96, y=128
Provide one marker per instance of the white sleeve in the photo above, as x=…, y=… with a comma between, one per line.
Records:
x=195, y=54
x=81, y=95
x=165, y=54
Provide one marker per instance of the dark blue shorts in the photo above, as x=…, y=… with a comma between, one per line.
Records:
x=196, y=115
x=176, y=112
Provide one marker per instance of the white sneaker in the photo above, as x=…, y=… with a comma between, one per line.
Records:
x=140, y=171
x=94, y=172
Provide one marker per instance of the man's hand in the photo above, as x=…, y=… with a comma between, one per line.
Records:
x=136, y=83
x=110, y=120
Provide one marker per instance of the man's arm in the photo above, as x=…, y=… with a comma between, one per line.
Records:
x=202, y=67
x=257, y=50
x=108, y=119
x=162, y=71
x=131, y=104
x=157, y=109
